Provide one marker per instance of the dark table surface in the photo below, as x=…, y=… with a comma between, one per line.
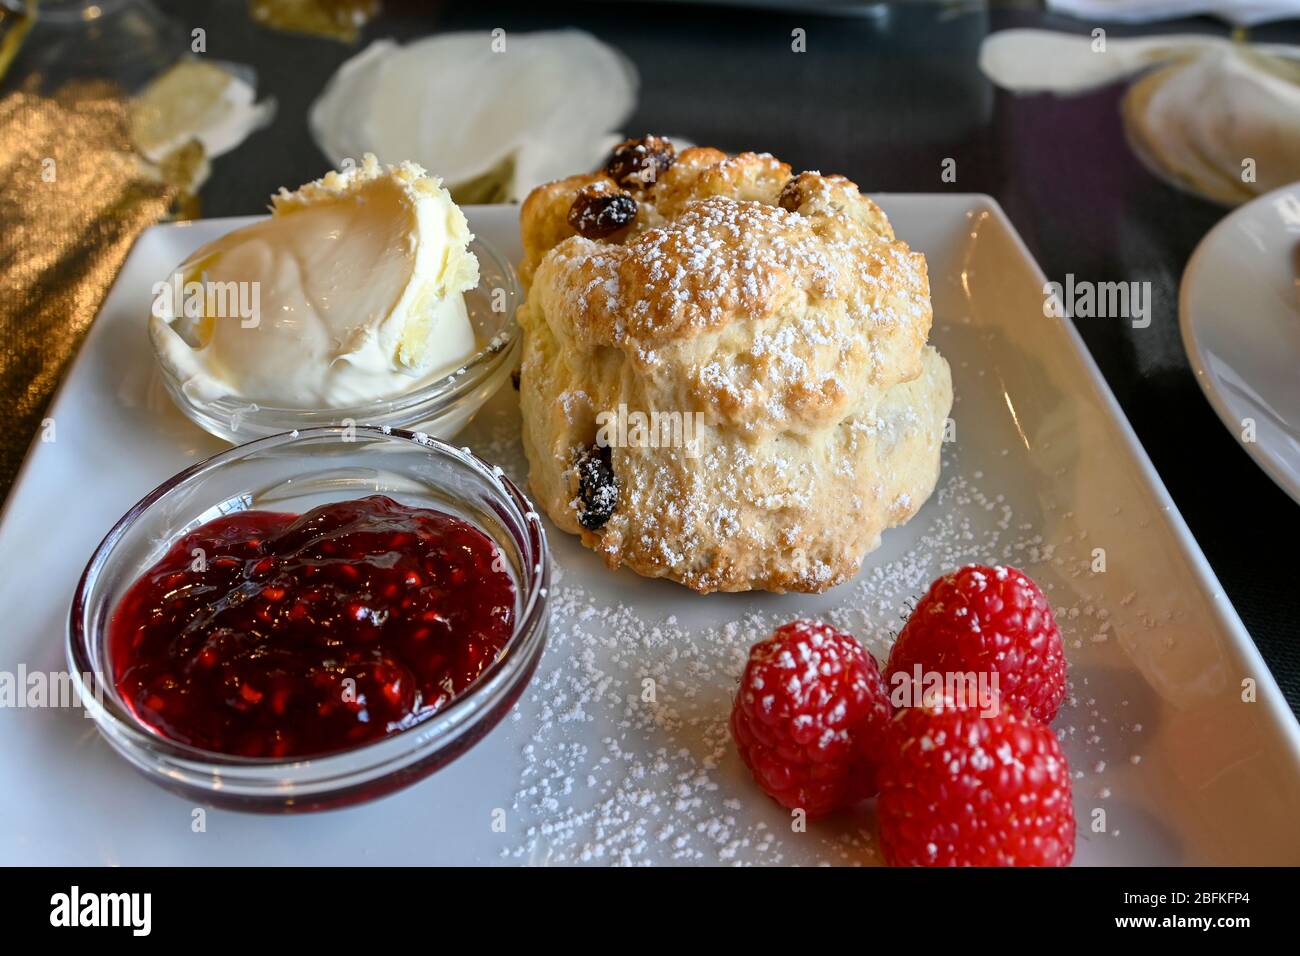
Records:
x=884, y=101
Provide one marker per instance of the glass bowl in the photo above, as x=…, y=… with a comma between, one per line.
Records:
x=296, y=472
x=440, y=408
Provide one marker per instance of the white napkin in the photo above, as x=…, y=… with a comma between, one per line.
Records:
x=1241, y=12
x=1210, y=114
x=492, y=119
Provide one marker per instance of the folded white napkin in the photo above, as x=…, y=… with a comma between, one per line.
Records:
x=493, y=116
x=1217, y=116
x=1241, y=12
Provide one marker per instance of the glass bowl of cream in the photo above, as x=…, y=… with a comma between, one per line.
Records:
x=362, y=300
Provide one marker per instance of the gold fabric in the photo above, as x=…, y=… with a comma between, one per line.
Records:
x=74, y=197
x=337, y=19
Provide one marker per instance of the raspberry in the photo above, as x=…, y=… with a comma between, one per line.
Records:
x=810, y=711
x=958, y=789
x=987, y=620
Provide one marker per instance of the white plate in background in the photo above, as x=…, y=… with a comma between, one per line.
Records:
x=1046, y=474
x=1239, y=310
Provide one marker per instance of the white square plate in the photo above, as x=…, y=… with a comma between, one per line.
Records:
x=1172, y=765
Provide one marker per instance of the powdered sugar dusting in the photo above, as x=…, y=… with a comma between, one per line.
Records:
x=720, y=258
x=626, y=755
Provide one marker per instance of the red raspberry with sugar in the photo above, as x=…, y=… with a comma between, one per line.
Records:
x=961, y=789
x=809, y=714
x=992, y=620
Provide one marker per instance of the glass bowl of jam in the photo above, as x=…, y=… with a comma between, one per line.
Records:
x=312, y=619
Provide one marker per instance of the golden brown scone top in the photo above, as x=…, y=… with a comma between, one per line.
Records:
x=774, y=301
x=698, y=173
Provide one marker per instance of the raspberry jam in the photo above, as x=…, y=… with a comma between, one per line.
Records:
x=263, y=634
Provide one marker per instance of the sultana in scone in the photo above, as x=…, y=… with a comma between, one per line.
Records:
x=725, y=377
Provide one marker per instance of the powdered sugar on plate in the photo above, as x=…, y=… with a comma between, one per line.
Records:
x=625, y=752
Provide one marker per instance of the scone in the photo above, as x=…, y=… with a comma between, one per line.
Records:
x=725, y=378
